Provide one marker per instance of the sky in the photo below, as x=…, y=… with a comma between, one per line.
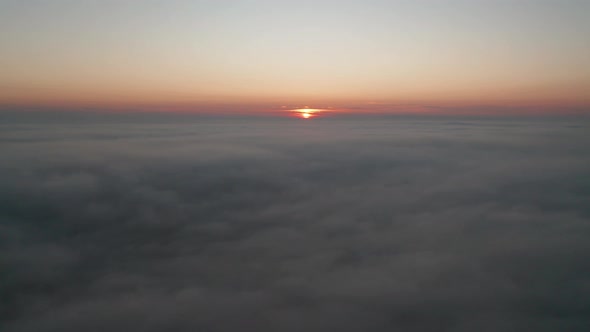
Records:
x=257, y=55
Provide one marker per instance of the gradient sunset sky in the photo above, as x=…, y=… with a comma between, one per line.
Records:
x=369, y=55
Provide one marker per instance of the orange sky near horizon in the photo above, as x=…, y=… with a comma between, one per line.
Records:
x=355, y=56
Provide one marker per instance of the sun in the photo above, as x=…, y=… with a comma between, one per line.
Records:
x=306, y=113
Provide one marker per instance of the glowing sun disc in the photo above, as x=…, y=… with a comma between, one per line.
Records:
x=307, y=113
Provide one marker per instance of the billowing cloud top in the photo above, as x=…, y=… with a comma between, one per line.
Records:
x=293, y=225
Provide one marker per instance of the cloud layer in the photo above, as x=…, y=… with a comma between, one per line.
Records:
x=285, y=225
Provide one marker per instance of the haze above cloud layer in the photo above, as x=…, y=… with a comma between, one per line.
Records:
x=390, y=224
x=257, y=55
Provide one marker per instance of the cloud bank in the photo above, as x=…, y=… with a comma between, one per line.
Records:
x=285, y=225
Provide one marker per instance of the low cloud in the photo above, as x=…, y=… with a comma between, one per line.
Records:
x=285, y=225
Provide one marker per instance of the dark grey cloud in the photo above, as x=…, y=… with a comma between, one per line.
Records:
x=377, y=224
